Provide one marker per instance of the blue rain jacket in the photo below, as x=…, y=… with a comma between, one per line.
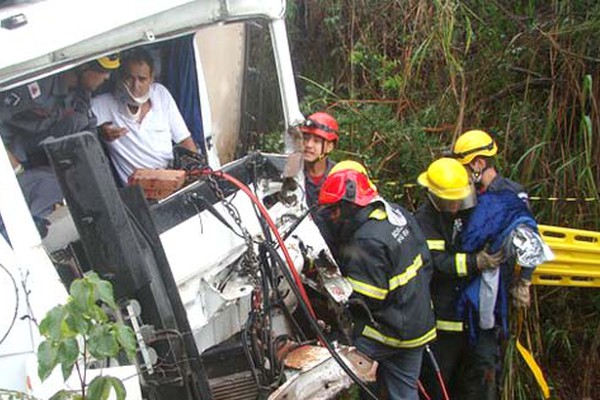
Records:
x=492, y=220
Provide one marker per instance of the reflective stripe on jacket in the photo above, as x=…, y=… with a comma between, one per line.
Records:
x=451, y=267
x=389, y=268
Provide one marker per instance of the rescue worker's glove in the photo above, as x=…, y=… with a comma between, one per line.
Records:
x=487, y=261
x=520, y=293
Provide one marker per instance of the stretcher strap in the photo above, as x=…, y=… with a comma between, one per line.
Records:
x=531, y=363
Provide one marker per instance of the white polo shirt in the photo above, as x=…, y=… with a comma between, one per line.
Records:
x=148, y=144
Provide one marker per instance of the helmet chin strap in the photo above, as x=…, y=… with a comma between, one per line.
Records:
x=476, y=176
x=323, y=154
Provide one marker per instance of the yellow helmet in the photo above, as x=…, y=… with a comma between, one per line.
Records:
x=472, y=144
x=109, y=63
x=448, y=185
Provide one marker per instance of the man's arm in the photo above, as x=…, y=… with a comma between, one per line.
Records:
x=189, y=144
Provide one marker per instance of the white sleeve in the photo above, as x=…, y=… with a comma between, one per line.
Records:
x=100, y=108
x=179, y=130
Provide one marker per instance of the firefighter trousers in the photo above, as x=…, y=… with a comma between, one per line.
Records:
x=398, y=369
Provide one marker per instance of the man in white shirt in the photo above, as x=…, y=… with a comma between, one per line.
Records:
x=139, y=121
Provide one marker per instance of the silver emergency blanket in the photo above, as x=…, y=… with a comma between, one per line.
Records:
x=528, y=247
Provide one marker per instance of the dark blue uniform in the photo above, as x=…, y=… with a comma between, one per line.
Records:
x=452, y=270
x=45, y=108
x=386, y=260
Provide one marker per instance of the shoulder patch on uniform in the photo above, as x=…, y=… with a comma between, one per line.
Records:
x=11, y=100
x=34, y=90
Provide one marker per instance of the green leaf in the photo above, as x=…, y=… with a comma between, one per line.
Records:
x=67, y=370
x=126, y=338
x=68, y=351
x=82, y=293
x=77, y=324
x=100, y=387
x=587, y=84
x=102, y=342
x=98, y=314
x=118, y=387
x=104, y=292
x=51, y=325
x=47, y=358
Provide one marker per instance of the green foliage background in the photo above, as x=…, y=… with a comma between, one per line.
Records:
x=405, y=77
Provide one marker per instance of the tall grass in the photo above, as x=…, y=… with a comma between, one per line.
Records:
x=405, y=77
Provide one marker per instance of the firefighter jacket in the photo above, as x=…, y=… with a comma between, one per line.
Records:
x=452, y=268
x=386, y=260
x=42, y=109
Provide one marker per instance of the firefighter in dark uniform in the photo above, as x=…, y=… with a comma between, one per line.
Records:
x=51, y=107
x=476, y=150
x=383, y=254
x=450, y=197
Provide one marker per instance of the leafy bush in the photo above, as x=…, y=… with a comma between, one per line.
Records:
x=81, y=330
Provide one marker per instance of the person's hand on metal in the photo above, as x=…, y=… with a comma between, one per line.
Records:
x=521, y=293
x=487, y=261
x=111, y=132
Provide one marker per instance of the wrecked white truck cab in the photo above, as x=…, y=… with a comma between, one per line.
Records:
x=216, y=278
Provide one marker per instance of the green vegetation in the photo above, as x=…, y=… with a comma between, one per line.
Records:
x=81, y=330
x=404, y=78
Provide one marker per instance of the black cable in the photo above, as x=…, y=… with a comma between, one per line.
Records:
x=315, y=325
x=296, y=223
x=304, y=307
x=16, y=312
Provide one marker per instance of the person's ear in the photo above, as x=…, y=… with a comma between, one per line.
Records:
x=478, y=164
x=328, y=146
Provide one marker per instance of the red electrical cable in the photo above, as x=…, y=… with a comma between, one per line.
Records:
x=273, y=227
x=422, y=390
x=438, y=372
x=442, y=385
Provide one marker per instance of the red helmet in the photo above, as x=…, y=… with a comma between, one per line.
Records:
x=322, y=125
x=348, y=180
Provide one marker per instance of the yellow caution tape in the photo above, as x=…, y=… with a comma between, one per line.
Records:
x=567, y=199
x=531, y=198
